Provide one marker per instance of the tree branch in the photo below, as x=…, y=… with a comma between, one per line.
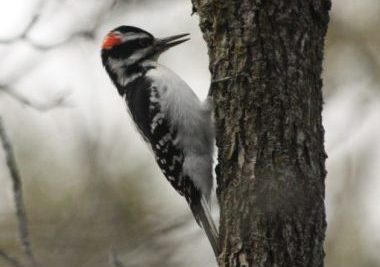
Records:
x=12, y=261
x=24, y=35
x=115, y=261
x=58, y=101
x=18, y=196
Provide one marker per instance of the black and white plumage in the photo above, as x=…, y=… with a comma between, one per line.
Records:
x=168, y=114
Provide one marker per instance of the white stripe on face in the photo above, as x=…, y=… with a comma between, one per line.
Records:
x=136, y=56
x=130, y=36
x=117, y=66
x=133, y=36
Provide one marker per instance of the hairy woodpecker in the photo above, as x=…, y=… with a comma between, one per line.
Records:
x=167, y=113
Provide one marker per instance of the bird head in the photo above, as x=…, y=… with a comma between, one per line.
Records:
x=133, y=45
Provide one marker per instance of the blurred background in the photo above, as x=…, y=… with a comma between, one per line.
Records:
x=91, y=187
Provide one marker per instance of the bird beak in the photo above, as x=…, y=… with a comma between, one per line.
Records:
x=168, y=42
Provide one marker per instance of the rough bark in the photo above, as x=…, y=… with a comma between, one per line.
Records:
x=266, y=63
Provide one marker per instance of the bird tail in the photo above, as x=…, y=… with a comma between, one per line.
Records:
x=203, y=217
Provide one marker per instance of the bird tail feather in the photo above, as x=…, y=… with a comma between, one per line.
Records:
x=203, y=217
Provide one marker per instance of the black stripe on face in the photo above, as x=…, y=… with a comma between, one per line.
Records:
x=130, y=29
x=133, y=39
x=133, y=46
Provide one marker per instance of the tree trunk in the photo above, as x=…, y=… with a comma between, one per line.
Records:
x=266, y=63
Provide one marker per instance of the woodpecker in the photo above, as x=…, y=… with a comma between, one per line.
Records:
x=170, y=117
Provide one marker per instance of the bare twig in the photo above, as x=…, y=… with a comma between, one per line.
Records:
x=115, y=261
x=18, y=196
x=149, y=242
x=12, y=261
x=28, y=27
x=58, y=101
x=88, y=34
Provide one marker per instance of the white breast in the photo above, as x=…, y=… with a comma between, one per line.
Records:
x=192, y=119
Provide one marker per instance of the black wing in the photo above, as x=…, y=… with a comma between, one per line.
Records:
x=143, y=102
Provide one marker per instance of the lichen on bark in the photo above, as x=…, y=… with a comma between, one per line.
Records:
x=266, y=64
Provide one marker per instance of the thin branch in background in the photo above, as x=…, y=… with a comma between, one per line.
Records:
x=151, y=241
x=34, y=20
x=58, y=101
x=115, y=261
x=31, y=24
x=88, y=34
x=176, y=224
x=12, y=261
x=18, y=196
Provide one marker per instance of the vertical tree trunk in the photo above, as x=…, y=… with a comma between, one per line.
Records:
x=265, y=61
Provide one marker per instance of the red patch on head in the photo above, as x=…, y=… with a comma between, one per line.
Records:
x=111, y=40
